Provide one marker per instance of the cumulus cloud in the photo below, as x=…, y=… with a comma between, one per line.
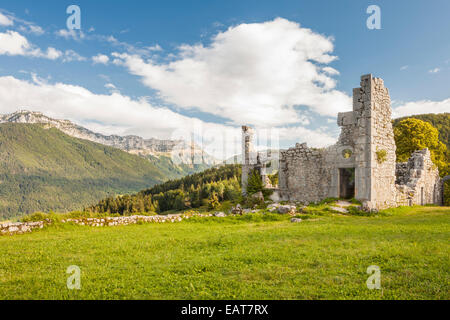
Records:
x=100, y=58
x=435, y=70
x=5, y=20
x=13, y=43
x=420, y=107
x=252, y=73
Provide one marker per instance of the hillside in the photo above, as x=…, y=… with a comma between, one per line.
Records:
x=204, y=188
x=45, y=169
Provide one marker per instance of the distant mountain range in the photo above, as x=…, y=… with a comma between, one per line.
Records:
x=180, y=150
x=44, y=169
x=48, y=164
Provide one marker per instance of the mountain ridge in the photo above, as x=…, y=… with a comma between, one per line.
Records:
x=180, y=149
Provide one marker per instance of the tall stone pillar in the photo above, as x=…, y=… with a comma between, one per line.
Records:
x=376, y=159
x=247, y=156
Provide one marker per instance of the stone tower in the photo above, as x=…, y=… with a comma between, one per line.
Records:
x=367, y=132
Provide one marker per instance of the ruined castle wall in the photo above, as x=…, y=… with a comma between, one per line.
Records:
x=367, y=144
x=418, y=181
x=304, y=174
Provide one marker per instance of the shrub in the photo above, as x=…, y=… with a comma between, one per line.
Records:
x=381, y=155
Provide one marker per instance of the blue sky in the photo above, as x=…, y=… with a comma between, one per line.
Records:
x=163, y=65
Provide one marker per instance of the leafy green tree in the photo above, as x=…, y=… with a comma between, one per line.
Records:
x=414, y=134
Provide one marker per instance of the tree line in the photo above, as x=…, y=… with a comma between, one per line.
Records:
x=207, y=188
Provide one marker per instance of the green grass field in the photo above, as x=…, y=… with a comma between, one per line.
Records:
x=247, y=257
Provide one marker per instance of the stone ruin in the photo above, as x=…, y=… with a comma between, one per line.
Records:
x=361, y=165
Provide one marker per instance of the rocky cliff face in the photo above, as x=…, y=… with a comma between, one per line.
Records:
x=179, y=150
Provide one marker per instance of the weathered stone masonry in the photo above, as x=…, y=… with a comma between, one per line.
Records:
x=362, y=164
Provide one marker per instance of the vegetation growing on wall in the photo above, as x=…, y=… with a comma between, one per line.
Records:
x=274, y=178
x=381, y=155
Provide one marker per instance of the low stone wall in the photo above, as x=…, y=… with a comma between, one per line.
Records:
x=10, y=228
x=125, y=220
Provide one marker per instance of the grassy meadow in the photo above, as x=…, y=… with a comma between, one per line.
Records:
x=253, y=256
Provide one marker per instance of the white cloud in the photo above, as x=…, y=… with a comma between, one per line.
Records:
x=71, y=55
x=420, y=107
x=53, y=54
x=9, y=19
x=14, y=44
x=435, y=70
x=110, y=86
x=156, y=47
x=251, y=73
x=301, y=134
x=331, y=71
x=5, y=20
x=36, y=29
x=404, y=67
x=70, y=34
x=100, y=58
x=31, y=28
